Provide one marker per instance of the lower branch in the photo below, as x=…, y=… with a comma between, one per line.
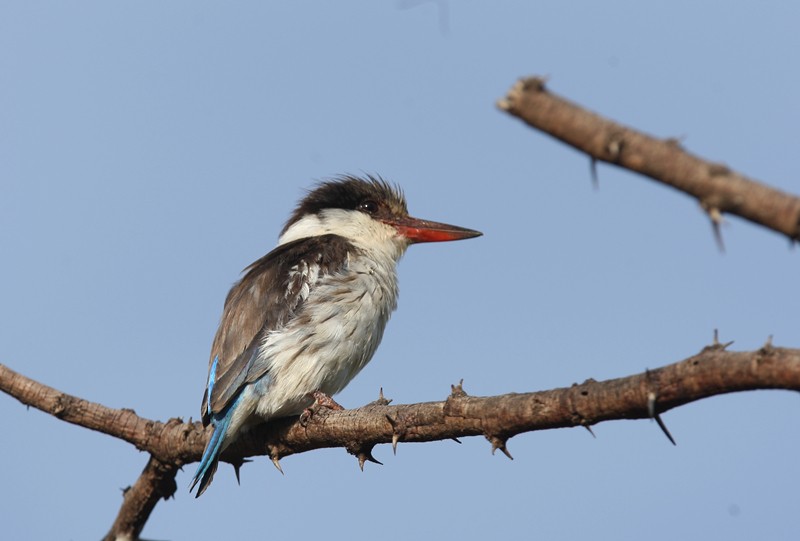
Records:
x=711, y=372
x=156, y=481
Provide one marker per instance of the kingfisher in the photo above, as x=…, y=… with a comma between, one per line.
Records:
x=308, y=316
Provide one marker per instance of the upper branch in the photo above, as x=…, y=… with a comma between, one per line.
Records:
x=715, y=186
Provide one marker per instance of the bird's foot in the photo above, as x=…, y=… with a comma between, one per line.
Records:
x=324, y=401
x=321, y=400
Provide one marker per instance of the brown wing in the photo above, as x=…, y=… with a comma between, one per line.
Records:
x=268, y=296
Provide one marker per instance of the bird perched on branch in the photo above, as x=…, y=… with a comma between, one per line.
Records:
x=307, y=317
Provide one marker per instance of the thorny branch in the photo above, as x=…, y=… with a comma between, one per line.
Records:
x=711, y=372
x=715, y=186
x=157, y=481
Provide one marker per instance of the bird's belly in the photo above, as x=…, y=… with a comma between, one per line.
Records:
x=326, y=344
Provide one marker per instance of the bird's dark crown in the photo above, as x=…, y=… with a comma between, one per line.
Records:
x=370, y=194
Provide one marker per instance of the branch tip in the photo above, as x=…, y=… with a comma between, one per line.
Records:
x=520, y=87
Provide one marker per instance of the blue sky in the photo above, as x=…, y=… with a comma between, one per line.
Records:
x=150, y=151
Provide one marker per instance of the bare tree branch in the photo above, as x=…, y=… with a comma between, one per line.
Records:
x=144, y=434
x=157, y=481
x=711, y=372
x=715, y=186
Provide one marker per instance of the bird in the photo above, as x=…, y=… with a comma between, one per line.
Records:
x=307, y=317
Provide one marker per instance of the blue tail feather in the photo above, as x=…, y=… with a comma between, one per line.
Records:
x=208, y=464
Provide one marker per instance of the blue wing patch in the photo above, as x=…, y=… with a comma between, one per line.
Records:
x=212, y=377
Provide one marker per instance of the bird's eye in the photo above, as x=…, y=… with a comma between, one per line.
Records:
x=369, y=206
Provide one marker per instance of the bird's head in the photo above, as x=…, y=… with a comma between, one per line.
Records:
x=369, y=212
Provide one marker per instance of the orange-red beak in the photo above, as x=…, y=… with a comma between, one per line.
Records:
x=417, y=230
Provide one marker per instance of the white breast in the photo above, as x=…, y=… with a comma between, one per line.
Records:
x=333, y=336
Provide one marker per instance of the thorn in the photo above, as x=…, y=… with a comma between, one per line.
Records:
x=768, y=344
x=457, y=391
x=718, y=236
x=398, y=431
x=458, y=441
x=651, y=411
x=589, y=428
x=381, y=401
x=593, y=171
x=366, y=456
x=716, y=343
x=499, y=443
x=716, y=221
x=237, y=466
x=276, y=460
x=663, y=428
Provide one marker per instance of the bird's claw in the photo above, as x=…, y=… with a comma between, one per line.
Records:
x=325, y=401
x=321, y=400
